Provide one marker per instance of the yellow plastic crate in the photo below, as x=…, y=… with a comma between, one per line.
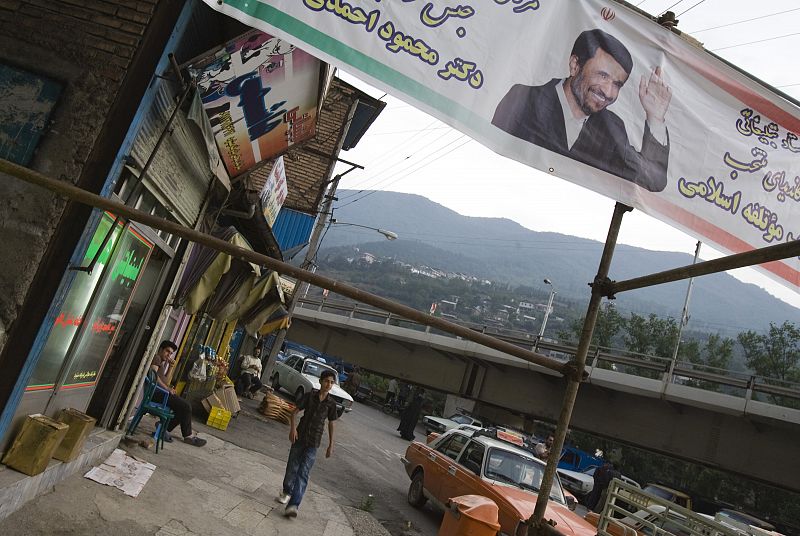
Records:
x=218, y=418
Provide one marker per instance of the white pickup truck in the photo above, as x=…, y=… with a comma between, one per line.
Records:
x=623, y=515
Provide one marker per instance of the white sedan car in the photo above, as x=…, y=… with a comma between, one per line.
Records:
x=441, y=424
x=300, y=374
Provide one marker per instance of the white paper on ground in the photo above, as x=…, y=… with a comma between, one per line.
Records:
x=122, y=471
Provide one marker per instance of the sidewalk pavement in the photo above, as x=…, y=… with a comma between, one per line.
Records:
x=219, y=489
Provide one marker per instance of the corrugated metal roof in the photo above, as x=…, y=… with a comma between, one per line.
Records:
x=292, y=228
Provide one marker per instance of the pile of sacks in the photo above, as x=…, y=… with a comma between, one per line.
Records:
x=276, y=408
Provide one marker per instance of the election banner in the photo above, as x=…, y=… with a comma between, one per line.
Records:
x=261, y=95
x=590, y=91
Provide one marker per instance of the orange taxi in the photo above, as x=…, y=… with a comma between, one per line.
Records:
x=467, y=462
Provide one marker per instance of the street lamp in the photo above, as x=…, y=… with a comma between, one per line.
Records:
x=388, y=234
x=549, y=307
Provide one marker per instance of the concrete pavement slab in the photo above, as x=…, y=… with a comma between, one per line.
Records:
x=219, y=489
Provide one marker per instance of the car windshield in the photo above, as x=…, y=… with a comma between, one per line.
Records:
x=660, y=492
x=315, y=368
x=513, y=468
x=460, y=419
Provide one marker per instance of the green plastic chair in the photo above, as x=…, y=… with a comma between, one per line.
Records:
x=158, y=409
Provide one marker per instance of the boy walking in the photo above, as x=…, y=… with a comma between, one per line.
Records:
x=306, y=439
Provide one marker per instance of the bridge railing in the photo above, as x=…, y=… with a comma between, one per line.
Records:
x=736, y=383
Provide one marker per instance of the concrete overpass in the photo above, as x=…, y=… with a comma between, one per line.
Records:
x=743, y=434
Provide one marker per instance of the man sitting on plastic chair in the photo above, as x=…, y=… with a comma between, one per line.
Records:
x=147, y=406
x=179, y=406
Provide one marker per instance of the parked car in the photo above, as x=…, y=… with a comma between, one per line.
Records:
x=668, y=494
x=300, y=374
x=363, y=393
x=578, y=483
x=443, y=424
x=590, y=471
x=463, y=462
x=575, y=459
x=742, y=521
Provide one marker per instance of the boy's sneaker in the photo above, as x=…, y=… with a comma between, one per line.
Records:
x=283, y=498
x=291, y=511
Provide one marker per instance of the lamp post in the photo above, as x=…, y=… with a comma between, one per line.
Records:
x=388, y=234
x=549, y=308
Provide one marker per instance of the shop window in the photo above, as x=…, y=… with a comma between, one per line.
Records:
x=72, y=313
x=108, y=309
x=27, y=101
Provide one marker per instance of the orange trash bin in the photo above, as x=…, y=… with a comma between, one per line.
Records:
x=470, y=515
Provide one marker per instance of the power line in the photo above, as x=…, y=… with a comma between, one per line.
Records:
x=756, y=42
x=691, y=8
x=743, y=21
x=673, y=5
x=394, y=151
x=412, y=171
x=388, y=168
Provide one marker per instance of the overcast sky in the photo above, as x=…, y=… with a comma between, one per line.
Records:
x=408, y=151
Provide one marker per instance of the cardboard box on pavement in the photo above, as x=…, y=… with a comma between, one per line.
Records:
x=231, y=400
x=35, y=444
x=80, y=426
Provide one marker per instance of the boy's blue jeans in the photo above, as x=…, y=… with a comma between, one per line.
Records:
x=298, y=466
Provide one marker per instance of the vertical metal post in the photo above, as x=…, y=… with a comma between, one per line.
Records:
x=684, y=321
x=547, y=312
x=313, y=246
x=538, y=524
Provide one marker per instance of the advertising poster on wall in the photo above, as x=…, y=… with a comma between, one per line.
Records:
x=592, y=92
x=274, y=192
x=261, y=95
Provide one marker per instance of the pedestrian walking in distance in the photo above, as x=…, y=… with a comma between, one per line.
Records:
x=317, y=406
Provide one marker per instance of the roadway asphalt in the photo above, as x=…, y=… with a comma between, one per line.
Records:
x=366, y=461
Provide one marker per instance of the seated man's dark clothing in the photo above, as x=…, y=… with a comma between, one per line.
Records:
x=312, y=423
x=182, y=410
x=534, y=114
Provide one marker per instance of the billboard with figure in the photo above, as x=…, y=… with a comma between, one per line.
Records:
x=590, y=91
x=261, y=95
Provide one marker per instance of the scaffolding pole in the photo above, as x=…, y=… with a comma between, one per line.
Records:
x=74, y=193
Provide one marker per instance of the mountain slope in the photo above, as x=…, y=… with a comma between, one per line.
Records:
x=502, y=250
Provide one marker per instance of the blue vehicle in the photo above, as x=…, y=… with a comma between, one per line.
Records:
x=575, y=459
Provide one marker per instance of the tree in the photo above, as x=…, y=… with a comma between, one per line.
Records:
x=651, y=335
x=774, y=355
x=609, y=322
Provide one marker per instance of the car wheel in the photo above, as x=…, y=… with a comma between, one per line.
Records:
x=298, y=395
x=275, y=384
x=416, y=497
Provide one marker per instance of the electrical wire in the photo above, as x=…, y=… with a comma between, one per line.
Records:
x=691, y=8
x=393, y=173
x=673, y=5
x=743, y=21
x=428, y=129
x=756, y=42
x=411, y=172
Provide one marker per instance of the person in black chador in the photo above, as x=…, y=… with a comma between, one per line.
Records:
x=410, y=415
x=602, y=478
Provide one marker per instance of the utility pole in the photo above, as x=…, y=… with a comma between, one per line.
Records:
x=300, y=290
x=684, y=321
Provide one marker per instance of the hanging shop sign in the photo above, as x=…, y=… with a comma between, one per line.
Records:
x=274, y=192
x=590, y=91
x=261, y=95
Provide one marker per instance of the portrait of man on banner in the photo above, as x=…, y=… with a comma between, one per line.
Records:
x=570, y=116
